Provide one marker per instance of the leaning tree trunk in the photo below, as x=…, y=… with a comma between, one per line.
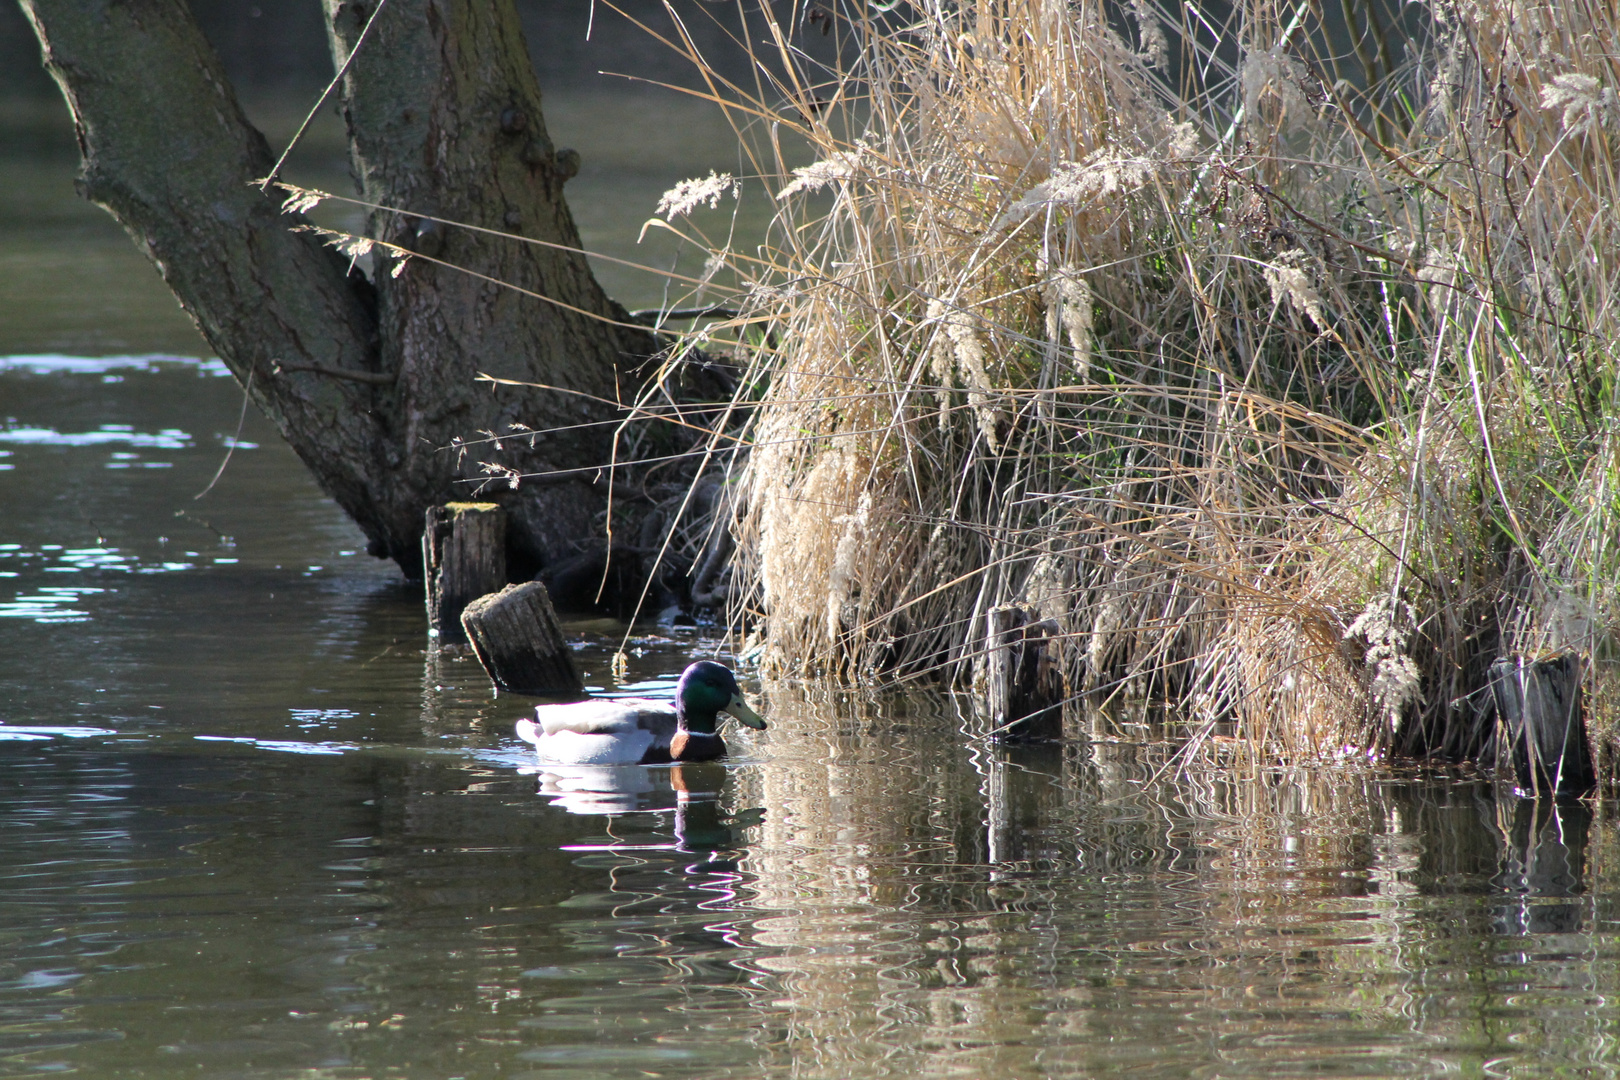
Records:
x=372, y=383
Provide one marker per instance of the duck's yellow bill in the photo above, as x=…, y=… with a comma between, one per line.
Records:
x=739, y=708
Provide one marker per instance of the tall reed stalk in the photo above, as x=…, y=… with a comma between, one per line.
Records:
x=1271, y=354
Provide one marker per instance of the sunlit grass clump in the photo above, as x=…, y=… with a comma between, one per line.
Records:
x=1269, y=357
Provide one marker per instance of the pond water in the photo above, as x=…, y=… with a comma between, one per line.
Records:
x=251, y=826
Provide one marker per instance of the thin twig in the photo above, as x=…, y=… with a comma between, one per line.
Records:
x=247, y=390
x=371, y=378
x=275, y=173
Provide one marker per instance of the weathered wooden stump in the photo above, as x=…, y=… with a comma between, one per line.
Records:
x=1023, y=674
x=1539, y=703
x=463, y=557
x=515, y=635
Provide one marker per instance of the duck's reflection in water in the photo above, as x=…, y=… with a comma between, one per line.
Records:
x=702, y=825
x=605, y=789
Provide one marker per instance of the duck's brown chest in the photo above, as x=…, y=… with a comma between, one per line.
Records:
x=696, y=746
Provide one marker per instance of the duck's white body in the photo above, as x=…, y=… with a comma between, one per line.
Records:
x=623, y=732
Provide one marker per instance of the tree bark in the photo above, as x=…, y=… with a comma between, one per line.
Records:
x=372, y=383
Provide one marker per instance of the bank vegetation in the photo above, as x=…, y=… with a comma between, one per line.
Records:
x=1269, y=351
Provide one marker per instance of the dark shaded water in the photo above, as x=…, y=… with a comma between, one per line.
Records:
x=250, y=827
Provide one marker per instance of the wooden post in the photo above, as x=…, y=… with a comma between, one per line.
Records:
x=1539, y=703
x=463, y=557
x=1023, y=676
x=515, y=635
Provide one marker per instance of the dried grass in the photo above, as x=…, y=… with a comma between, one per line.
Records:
x=1278, y=372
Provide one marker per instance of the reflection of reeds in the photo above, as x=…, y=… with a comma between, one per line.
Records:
x=1185, y=918
x=1284, y=387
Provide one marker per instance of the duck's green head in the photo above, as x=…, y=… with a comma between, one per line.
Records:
x=707, y=688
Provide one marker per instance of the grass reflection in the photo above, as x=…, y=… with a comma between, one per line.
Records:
x=1041, y=912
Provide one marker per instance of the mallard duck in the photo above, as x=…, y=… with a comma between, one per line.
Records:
x=632, y=731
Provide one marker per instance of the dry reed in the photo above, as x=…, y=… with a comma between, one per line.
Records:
x=1270, y=356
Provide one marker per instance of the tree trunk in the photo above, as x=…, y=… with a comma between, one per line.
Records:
x=372, y=383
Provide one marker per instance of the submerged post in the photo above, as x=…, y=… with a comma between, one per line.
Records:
x=463, y=557
x=515, y=635
x=1023, y=676
x=1539, y=703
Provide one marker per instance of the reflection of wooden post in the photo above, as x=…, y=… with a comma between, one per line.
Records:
x=463, y=557
x=1023, y=676
x=1544, y=856
x=1539, y=703
x=998, y=825
x=515, y=635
